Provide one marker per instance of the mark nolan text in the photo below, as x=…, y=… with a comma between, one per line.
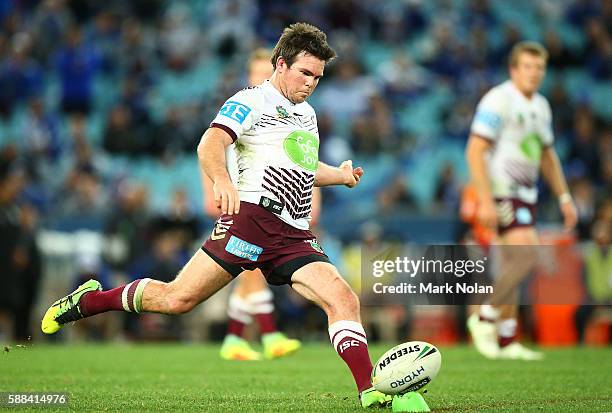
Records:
x=432, y=288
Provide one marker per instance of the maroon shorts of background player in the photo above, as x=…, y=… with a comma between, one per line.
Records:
x=514, y=213
x=257, y=238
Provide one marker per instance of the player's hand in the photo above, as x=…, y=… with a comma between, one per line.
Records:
x=487, y=214
x=570, y=216
x=352, y=176
x=226, y=196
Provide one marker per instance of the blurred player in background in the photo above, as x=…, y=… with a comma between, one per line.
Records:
x=251, y=298
x=264, y=222
x=511, y=141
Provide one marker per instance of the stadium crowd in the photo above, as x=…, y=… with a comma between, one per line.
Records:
x=102, y=106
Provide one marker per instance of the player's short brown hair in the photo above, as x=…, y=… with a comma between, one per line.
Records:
x=302, y=37
x=532, y=48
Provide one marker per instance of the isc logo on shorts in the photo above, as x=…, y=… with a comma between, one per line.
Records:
x=243, y=249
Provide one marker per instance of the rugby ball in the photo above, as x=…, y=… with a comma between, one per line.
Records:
x=407, y=367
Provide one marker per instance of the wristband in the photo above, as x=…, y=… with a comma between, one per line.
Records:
x=565, y=197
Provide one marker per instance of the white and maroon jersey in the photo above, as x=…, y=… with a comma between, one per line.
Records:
x=519, y=129
x=277, y=150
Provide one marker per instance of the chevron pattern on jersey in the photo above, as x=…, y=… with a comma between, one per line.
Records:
x=292, y=187
x=305, y=122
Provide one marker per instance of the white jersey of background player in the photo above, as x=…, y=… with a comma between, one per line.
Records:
x=520, y=128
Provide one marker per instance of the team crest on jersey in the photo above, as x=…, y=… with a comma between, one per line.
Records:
x=220, y=229
x=282, y=112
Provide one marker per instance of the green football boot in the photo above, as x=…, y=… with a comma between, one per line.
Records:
x=409, y=402
x=67, y=309
x=279, y=345
x=373, y=398
x=237, y=348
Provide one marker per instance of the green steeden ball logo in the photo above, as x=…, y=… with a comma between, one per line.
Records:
x=303, y=148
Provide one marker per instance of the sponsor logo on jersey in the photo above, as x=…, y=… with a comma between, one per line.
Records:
x=523, y=216
x=303, y=148
x=243, y=249
x=315, y=245
x=531, y=147
x=490, y=119
x=220, y=229
x=235, y=111
x=271, y=205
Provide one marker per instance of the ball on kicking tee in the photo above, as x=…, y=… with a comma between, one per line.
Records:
x=406, y=367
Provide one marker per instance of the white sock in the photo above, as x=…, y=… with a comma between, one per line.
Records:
x=239, y=309
x=488, y=312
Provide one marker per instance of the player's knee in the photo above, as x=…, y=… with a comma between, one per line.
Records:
x=346, y=305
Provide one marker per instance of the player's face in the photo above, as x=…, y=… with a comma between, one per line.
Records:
x=259, y=70
x=300, y=80
x=528, y=73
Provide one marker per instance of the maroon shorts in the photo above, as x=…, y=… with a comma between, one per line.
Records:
x=514, y=213
x=257, y=238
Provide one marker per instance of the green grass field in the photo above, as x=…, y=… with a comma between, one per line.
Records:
x=193, y=378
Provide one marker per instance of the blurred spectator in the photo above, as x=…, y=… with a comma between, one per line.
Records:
x=137, y=51
x=83, y=194
x=563, y=110
x=177, y=133
x=598, y=50
x=605, y=153
x=458, y=119
x=40, y=131
x=127, y=225
x=77, y=65
x=403, y=79
x=21, y=77
x=446, y=57
x=397, y=197
x=584, y=198
x=181, y=216
x=347, y=85
x=19, y=257
x=396, y=22
x=448, y=189
x=105, y=35
x=122, y=135
x=559, y=56
x=584, y=149
x=597, y=270
x=499, y=55
x=479, y=13
x=372, y=132
x=180, y=38
x=580, y=11
x=346, y=14
x=49, y=24
x=231, y=28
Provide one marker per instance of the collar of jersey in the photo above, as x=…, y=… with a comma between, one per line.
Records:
x=268, y=85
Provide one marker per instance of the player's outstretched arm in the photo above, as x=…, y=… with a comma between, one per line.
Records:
x=211, y=156
x=475, y=153
x=345, y=174
x=553, y=175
